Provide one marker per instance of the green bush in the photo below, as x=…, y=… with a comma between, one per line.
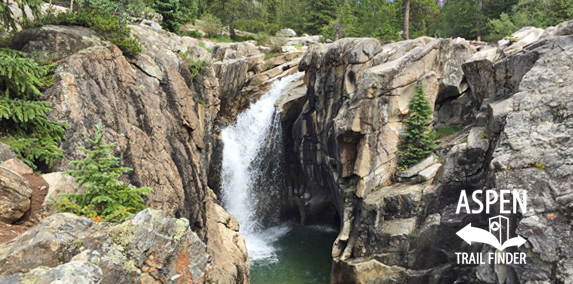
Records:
x=99, y=21
x=202, y=45
x=24, y=124
x=195, y=66
x=211, y=25
x=417, y=143
x=193, y=33
x=271, y=54
x=105, y=197
x=276, y=43
x=240, y=38
x=445, y=131
x=221, y=38
x=262, y=38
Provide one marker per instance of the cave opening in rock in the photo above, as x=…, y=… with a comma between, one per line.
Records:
x=289, y=223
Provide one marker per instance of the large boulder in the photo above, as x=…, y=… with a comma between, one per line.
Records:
x=71, y=272
x=15, y=194
x=145, y=248
x=18, y=167
x=286, y=32
x=52, y=42
x=60, y=183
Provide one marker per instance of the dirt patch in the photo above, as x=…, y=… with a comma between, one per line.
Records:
x=33, y=216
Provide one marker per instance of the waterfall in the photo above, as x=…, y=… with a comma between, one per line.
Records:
x=252, y=173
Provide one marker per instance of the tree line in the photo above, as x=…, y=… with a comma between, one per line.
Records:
x=388, y=20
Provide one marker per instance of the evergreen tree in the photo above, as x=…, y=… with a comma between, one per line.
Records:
x=418, y=141
x=24, y=124
x=231, y=10
x=345, y=24
x=105, y=197
x=6, y=18
x=380, y=18
x=320, y=14
x=172, y=14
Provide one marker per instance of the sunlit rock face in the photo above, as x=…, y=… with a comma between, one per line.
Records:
x=508, y=104
x=161, y=118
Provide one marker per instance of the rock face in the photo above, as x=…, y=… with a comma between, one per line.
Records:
x=161, y=118
x=145, y=248
x=511, y=103
x=6, y=153
x=15, y=194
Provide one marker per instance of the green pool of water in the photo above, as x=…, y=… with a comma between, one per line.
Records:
x=302, y=255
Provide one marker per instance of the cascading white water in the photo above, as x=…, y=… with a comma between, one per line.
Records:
x=247, y=143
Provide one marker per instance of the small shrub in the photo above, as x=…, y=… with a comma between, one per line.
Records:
x=268, y=65
x=221, y=38
x=129, y=46
x=240, y=38
x=195, y=66
x=418, y=142
x=193, y=33
x=445, y=131
x=211, y=25
x=298, y=46
x=202, y=44
x=101, y=22
x=271, y=54
x=105, y=197
x=262, y=38
x=483, y=134
x=276, y=43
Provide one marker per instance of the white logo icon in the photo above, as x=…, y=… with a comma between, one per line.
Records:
x=498, y=235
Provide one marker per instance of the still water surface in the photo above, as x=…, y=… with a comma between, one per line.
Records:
x=302, y=255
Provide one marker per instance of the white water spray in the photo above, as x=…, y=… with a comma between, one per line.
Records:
x=244, y=143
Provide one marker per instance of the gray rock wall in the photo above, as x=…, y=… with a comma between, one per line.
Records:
x=512, y=103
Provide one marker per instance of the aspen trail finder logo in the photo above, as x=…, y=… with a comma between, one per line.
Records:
x=498, y=234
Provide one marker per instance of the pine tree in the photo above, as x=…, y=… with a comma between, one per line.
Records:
x=105, y=197
x=321, y=13
x=24, y=124
x=418, y=141
x=171, y=12
x=6, y=18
